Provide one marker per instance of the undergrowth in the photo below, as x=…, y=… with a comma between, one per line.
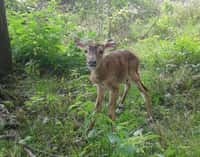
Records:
x=47, y=104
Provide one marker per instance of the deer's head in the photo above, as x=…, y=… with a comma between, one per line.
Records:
x=94, y=52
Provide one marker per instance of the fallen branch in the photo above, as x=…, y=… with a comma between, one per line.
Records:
x=7, y=137
x=29, y=150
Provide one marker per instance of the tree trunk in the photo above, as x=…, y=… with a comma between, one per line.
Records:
x=5, y=51
x=109, y=19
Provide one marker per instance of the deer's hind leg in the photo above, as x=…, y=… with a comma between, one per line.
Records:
x=120, y=107
x=144, y=92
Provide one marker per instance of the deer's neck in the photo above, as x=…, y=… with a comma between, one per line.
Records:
x=97, y=75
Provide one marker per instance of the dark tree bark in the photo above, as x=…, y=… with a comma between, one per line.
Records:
x=109, y=22
x=5, y=50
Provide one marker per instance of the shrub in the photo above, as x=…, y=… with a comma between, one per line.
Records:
x=43, y=40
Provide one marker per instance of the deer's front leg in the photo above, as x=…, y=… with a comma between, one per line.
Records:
x=112, y=102
x=99, y=99
x=98, y=105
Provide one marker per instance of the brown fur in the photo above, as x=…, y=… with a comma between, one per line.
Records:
x=114, y=68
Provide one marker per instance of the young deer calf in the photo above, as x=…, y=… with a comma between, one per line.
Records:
x=109, y=71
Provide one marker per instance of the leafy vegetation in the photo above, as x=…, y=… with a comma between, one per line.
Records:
x=48, y=102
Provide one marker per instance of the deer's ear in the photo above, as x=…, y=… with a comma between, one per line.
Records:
x=80, y=44
x=109, y=44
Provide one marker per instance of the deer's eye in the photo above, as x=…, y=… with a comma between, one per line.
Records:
x=101, y=51
x=85, y=51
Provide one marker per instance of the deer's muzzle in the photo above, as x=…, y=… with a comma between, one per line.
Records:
x=92, y=63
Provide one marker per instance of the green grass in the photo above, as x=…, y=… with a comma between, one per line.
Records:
x=53, y=112
x=56, y=113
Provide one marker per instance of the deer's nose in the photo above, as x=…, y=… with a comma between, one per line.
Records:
x=92, y=63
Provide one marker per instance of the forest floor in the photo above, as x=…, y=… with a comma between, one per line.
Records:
x=48, y=116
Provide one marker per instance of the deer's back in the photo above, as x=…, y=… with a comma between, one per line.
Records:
x=116, y=67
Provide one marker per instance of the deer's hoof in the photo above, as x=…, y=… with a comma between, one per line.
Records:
x=150, y=122
x=120, y=109
x=150, y=119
